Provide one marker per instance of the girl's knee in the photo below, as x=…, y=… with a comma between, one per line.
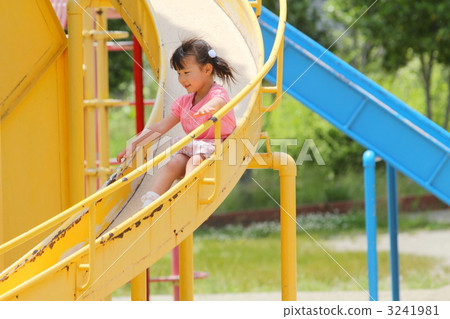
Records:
x=197, y=159
x=178, y=162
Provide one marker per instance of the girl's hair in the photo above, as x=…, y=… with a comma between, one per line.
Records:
x=200, y=50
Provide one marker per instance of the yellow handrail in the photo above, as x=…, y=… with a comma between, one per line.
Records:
x=257, y=4
x=89, y=201
x=92, y=235
x=278, y=88
x=218, y=150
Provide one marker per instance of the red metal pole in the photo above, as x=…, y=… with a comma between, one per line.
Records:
x=176, y=272
x=148, y=283
x=139, y=97
x=138, y=84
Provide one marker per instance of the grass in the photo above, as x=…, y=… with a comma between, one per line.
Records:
x=253, y=265
x=242, y=259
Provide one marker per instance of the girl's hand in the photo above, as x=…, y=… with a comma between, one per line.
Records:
x=205, y=110
x=126, y=153
x=122, y=155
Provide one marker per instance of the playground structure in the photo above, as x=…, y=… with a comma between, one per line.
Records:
x=105, y=239
x=100, y=242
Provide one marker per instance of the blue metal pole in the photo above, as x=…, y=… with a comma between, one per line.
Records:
x=391, y=175
x=371, y=222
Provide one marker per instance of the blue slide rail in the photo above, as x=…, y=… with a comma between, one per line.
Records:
x=362, y=109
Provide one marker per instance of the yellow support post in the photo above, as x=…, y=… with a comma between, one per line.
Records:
x=89, y=94
x=288, y=236
x=139, y=286
x=2, y=239
x=287, y=170
x=103, y=94
x=76, y=125
x=187, y=269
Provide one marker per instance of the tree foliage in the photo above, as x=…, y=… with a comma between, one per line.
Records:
x=120, y=63
x=307, y=16
x=404, y=30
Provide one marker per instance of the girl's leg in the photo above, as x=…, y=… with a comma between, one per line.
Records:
x=193, y=162
x=177, y=167
x=174, y=169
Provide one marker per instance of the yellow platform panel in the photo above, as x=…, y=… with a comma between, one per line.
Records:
x=33, y=179
x=33, y=39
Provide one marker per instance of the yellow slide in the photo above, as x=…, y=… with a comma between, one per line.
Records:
x=106, y=240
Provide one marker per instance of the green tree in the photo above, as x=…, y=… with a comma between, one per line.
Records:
x=404, y=30
x=307, y=16
x=120, y=63
x=443, y=43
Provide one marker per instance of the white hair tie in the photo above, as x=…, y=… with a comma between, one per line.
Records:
x=212, y=53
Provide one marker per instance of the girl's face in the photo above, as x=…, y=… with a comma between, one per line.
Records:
x=194, y=77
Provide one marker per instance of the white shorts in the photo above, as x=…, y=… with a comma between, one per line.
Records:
x=196, y=147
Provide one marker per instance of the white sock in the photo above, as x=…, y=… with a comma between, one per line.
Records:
x=149, y=198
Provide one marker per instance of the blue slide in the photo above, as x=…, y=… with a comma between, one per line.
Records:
x=362, y=109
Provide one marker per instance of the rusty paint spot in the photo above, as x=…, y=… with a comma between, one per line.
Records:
x=61, y=234
x=176, y=195
x=157, y=209
x=40, y=252
x=110, y=235
x=137, y=224
x=122, y=233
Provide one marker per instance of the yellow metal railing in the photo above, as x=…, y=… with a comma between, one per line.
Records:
x=257, y=4
x=76, y=94
x=277, y=89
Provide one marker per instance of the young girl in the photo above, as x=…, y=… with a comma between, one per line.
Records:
x=196, y=64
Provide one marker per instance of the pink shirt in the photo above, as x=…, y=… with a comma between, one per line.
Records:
x=184, y=110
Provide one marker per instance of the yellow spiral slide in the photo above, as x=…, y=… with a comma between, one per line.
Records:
x=105, y=240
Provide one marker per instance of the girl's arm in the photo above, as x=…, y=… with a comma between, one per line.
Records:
x=148, y=135
x=211, y=107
